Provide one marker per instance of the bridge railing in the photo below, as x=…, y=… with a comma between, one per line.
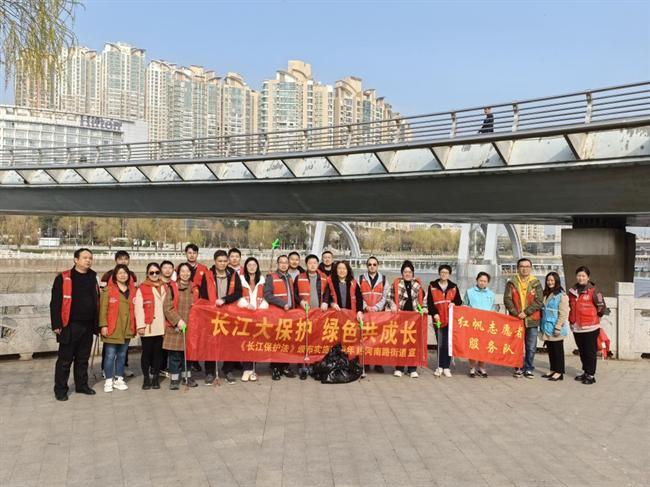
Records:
x=579, y=108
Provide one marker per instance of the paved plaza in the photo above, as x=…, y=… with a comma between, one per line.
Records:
x=381, y=431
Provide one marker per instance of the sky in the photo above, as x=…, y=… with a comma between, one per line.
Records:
x=423, y=56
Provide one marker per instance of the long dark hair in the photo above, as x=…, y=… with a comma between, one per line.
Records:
x=555, y=289
x=258, y=273
x=119, y=267
x=335, y=266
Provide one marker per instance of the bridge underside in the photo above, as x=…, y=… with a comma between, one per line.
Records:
x=551, y=195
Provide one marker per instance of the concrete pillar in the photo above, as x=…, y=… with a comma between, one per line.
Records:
x=318, y=241
x=625, y=321
x=608, y=252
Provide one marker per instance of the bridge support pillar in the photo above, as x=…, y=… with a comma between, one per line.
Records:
x=604, y=246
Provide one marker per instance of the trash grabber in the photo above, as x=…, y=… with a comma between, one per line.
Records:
x=306, y=358
x=363, y=351
x=419, y=309
x=95, y=351
x=183, y=329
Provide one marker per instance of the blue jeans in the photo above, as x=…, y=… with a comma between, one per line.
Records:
x=531, y=348
x=115, y=358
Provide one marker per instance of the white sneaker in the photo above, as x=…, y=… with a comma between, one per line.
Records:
x=108, y=385
x=414, y=375
x=447, y=372
x=438, y=372
x=246, y=376
x=398, y=373
x=119, y=384
x=253, y=377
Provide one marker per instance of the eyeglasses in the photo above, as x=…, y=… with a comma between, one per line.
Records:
x=154, y=273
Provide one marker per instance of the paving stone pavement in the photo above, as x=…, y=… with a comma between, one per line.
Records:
x=381, y=431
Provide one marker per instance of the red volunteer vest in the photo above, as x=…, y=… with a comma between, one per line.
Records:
x=66, y=301
x=148, y=303
x=442, y=301
x=582, y=310
x=304, y=289
x=280, y=288
x=353, y=293
x=372, y=295
x=259, y=292
x=114, y=306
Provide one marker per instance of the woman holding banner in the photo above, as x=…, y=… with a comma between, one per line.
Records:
x=553, y=325
x=406, y=294
x=150, y=321
x=441, y=294
x=177, y=306
x=587, y=305
x=252, y=286
x=479, y=297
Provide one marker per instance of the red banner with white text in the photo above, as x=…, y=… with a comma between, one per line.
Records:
x=486, y=336
x=231, y=333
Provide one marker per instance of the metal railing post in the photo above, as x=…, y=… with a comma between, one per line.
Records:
x=348, y=142
x=227, y=151
x=128, y=152
x=305, y=140
x=590, y=107
x=97, y=153
x=452, y=133
x=515, y=117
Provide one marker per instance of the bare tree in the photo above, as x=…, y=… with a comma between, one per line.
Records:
x=33, y=34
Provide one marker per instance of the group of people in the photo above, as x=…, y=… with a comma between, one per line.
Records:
x=157, y=310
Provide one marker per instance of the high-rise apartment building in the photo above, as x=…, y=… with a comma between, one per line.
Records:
x=78, y=82
x=122, y=81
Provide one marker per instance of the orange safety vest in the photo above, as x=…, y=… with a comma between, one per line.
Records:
x=304, y=288
x=353, y=293
x=442, y=300
x=530, y=299
x=114, y=306
x=66, y=303
x=372, y=295
x=280, y=288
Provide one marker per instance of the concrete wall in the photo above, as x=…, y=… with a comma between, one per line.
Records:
x=25, y=324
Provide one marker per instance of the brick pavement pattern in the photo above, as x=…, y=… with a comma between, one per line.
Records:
x=381, y=431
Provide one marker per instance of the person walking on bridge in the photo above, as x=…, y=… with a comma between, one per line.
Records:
x=374, y=293
x=407, y=294
x=74, y=312
x=442, y=293
x=523, y=298
x=488, y=122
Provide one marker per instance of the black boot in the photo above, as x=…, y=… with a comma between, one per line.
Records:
x=146, y=384
x=155, y=384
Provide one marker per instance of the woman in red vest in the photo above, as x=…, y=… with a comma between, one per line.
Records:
x=586, y=306
x=343, y=291
x=117, y=325
x=150, y=321
x=252, y=297
x=442, y=294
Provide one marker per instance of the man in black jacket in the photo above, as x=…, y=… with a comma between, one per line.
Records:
x=74, y=311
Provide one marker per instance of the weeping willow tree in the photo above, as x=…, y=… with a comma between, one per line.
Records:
x=33, y=33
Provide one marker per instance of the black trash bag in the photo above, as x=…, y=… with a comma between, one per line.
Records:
x=337, y=368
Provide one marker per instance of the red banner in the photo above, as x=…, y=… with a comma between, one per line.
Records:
x=274, y=335
x=486, y=336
